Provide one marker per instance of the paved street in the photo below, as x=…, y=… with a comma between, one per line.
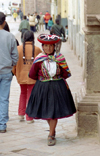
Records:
x=24, y=139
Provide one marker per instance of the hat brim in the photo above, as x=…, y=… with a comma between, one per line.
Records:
x=48, y=42
x=51, y=40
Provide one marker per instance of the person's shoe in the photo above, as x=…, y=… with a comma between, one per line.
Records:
x=30, y=121
x=21, y=117
x=3, y=131
x=51, y=140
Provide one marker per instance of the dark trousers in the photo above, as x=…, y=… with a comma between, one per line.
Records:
x=46, y=25
x=33, y=28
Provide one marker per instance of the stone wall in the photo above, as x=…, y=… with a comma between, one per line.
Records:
x=36, y=5
x=43, y=6
x=88, y=109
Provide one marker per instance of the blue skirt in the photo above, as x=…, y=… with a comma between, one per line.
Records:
x=50, y=100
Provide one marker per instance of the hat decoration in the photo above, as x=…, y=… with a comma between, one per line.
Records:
x=48, y=39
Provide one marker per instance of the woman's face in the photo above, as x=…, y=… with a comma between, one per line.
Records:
x=48, y=48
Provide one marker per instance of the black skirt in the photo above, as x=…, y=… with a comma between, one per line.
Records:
x=50, y=100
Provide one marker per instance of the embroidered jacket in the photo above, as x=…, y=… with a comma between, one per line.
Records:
x=40, y=71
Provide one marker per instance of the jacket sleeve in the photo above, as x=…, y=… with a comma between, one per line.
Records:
x=14, y=52
x=33, y=74
x=65, y=74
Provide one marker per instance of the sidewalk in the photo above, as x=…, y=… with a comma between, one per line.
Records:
x=24, y=139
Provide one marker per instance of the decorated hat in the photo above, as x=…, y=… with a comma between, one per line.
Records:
x=48, y=39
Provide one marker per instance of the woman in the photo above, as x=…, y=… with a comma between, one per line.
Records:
x=50, y=98
x=27, y=52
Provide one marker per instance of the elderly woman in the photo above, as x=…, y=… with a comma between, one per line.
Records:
x=50, y=98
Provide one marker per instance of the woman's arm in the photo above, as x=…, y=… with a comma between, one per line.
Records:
x=65, y=74
x=33, y=74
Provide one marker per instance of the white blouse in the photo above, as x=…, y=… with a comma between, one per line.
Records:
x=51, y=67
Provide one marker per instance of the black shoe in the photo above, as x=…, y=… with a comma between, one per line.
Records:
x=3, y=131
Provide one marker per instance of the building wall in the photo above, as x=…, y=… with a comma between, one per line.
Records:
x=64, y=8
x=64, y=12
x=54, y=11
x=36, y=5
x=76, y=24
x=59, y=6
x=43, y=6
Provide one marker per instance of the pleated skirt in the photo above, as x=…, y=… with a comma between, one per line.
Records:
x=50, y=100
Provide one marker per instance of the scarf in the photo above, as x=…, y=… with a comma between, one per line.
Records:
x=60, y=59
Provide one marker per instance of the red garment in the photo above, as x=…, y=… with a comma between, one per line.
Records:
x=47, y=17
x=37, y=71
x=24, y=97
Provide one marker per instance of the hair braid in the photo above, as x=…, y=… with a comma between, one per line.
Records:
x=32, y=50
x=24, y=52
x=28, y=36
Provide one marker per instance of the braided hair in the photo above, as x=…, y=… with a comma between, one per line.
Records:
x=28, y=36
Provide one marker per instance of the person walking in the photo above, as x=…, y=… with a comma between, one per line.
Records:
x=27, y=52
x=58, y=30
x=46, y=19
x=28, y=16
x=8, y=59
x=41, y=22
x=59, y=18
x=37, y=18
x=66, y=31
x=32, y=22
x=15, y=15
x=21, y=15
x=24, y=25
x=51, y=98
x=50, y=23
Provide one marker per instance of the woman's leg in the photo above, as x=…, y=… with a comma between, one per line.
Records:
x=29, y=89
x=42, y=25
x=48, y=122
x=51, y=138
x=22, y=100
x=52, y=124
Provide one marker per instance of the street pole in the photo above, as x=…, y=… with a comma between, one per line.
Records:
x=24, y=7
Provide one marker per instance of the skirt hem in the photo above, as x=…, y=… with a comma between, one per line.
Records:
x=53, y=118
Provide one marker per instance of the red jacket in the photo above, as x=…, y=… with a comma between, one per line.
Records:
x=38, y=71
x=47, y=17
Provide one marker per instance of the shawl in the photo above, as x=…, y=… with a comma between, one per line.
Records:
x=60, y=59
